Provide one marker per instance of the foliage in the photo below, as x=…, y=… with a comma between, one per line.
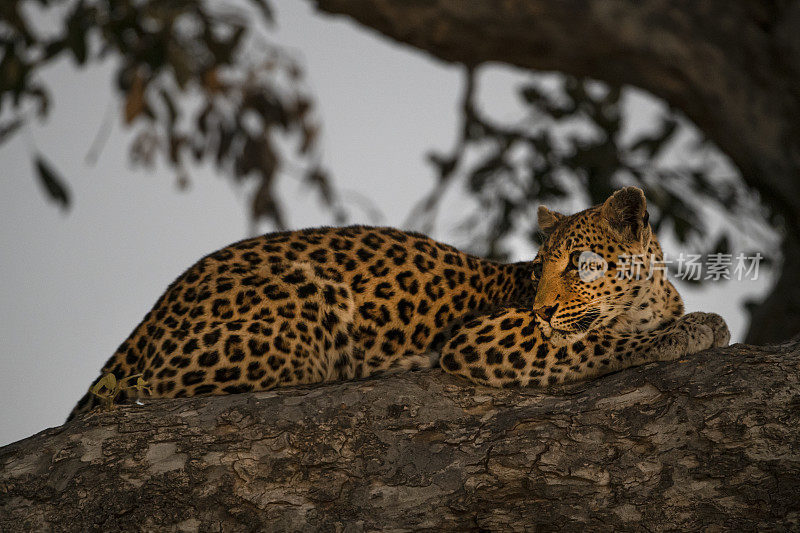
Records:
x=186, y=83
x=575, y=140
x=189, y=88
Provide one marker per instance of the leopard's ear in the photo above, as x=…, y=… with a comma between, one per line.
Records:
x=547, y=219
x=626, y=213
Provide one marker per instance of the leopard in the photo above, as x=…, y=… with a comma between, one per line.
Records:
x=603, y=303
x=337, y=303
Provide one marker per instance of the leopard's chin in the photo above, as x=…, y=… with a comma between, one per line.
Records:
x=558, y=337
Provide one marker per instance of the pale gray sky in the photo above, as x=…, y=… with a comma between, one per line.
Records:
x=75, y=284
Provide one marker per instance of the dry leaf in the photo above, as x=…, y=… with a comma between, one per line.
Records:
x=134, y=102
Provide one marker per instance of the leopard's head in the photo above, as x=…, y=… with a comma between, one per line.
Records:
x=578, y=268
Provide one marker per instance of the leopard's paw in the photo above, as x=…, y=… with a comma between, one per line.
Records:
x=722, y=335
x=705, y=330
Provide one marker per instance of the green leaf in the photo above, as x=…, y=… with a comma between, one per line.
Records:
x=53, y=182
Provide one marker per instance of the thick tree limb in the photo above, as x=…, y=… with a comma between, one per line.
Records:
x=733, y=67
x=709, y=442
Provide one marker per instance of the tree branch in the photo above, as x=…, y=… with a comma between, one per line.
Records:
x=711, y=441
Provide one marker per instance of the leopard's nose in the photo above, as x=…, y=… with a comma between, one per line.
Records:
x=546, y=312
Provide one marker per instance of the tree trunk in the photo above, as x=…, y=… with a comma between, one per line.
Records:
x=733, y=67
x=783, y=301
x=711, y=442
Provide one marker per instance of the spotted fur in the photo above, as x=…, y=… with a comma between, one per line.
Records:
x=310, y=306
x=579, y=328
x=327, y=304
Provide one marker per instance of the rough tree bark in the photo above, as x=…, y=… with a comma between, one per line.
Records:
x=711, y=442
x=732, y=66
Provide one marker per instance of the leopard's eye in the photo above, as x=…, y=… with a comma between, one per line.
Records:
x=574, y=260
x=537, y=270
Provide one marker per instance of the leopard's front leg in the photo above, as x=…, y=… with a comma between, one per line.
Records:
x=689, y=334
x=508, y=349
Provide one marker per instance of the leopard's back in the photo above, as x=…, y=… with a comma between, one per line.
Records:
x=309, y=306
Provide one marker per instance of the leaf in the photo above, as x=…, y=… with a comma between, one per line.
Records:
x=309, y=134
x=532, y=95
x=319, y=179
x=53, y=182
x=176, y=144
x=172, y=111
x=8, y=129
x=266, y=10
x=232, y=44
x=249, y=158
x=38, y=93
x=76, y=33
x=264, y=205
x=202, y=120
x=493, y=166
x=181, y=66
x=134, y=102
x=226, y=137
x=13, y=72
x=211, y=81
x=182, y=180
x=267, y=105
x=53, y=48
x=444, y=164
x=301, y=108
x=682, y=227
x=723, y=245
x=651, y=146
